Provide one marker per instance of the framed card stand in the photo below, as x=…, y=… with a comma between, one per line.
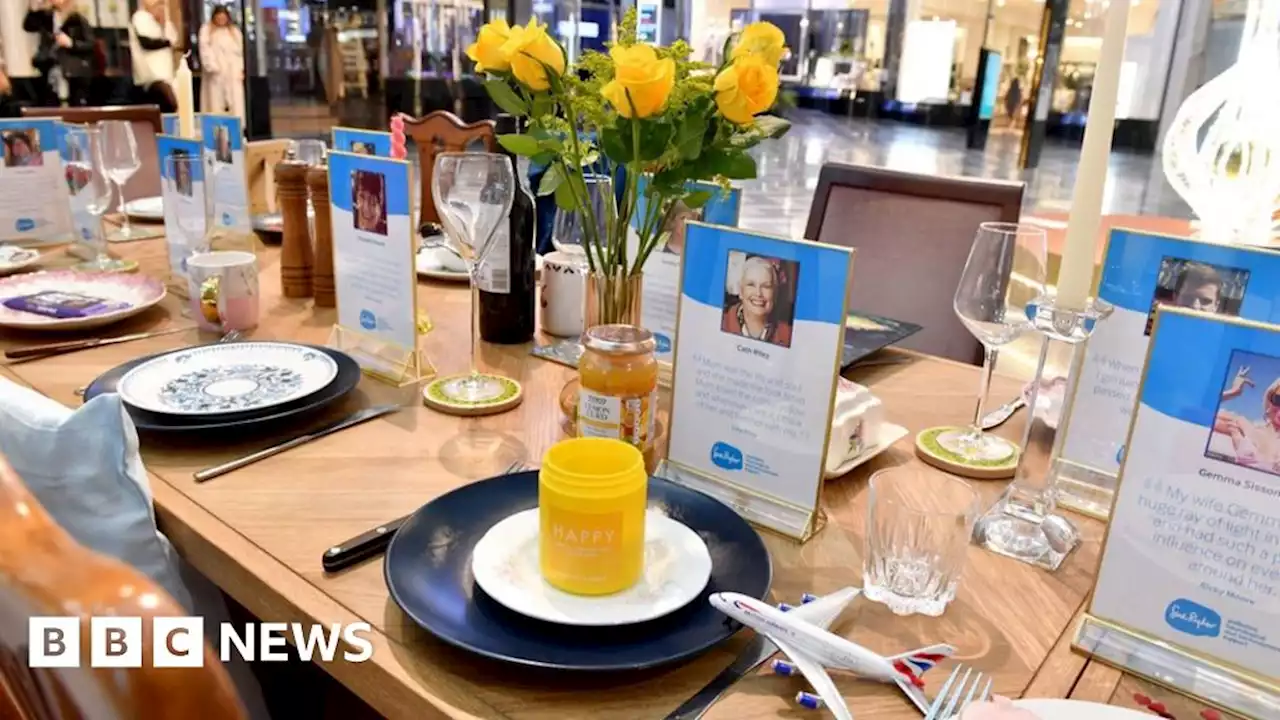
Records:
x=1140, y=272
x=362, y=142
x=226, y=172
x=373, y=253
x=760, y=330
x=37, y=208
x=1188, y=589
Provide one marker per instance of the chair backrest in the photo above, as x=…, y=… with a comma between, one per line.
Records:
x=146, y=126
x=45, y=572
x=260, y=159
x=442, y=131
x=912, y=234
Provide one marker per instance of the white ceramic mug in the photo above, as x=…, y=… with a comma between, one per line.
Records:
x=564, y=292
x=223, y=286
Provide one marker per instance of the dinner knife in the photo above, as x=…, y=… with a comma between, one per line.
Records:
x=756, y=652
x=33, y=351
x=351, y=420
x=361, y=547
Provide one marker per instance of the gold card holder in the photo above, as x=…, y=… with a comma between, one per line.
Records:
x=381, y=360
x=792, y=521
x=1229, y=688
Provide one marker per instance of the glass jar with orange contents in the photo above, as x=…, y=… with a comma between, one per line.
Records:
x=618, y=374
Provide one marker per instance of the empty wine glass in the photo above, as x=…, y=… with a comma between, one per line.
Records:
x=120, y=161
x=472, y=193
x=90, y=188
x=575, y=230
x=1004, y=273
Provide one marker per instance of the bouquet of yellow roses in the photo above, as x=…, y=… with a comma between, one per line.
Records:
x=650, y=110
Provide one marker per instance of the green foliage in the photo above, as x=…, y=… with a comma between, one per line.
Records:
x=525, y=145
x=505, y=97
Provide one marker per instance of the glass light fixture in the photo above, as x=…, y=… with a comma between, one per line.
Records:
x=1222, y=154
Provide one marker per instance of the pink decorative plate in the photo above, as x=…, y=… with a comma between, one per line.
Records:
x=140, y=291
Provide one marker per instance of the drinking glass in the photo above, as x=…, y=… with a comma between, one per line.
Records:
x=575, y=231
x=918, y=526
x=472, y=193
x=310, y=152
x=192, y=221
x=120, y=161
x=90, y=186
x=1004, y=273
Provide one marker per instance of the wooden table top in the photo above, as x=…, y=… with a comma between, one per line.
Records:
x=259, y=533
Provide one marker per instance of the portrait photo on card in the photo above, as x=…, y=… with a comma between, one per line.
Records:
x=222, y=144
x=1199, y=286
x=182, y=181
x=22, y=148
x=363, y=148
x=673, y=227
x=760, y=297
x=369, y=201
x=1246, y=426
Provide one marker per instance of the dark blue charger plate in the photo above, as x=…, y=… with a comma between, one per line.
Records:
x=428, y=572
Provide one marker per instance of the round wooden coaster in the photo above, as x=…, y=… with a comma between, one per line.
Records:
x=437, y=397
x=931, y=448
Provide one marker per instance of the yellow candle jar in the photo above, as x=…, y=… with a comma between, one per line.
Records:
x=592, y=494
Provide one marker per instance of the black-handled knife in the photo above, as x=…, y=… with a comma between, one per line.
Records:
x=361, y=547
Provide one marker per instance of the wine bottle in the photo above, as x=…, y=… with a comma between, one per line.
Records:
x=506, y=282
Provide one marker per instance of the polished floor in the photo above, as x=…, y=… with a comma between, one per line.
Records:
x=778, y=201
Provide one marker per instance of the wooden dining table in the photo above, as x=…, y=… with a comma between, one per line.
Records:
x=259, y=532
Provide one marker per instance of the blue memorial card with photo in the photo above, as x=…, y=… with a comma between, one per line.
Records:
x=182, y=186
x=33, y=182
x=1193, y=553
x=223, y=139
x=362, y=142
x=1141, y=272
x=373, y=248
x=760, y=333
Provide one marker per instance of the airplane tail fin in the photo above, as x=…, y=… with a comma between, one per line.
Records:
x=913, y=664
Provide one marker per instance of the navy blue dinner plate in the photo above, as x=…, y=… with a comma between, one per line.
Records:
x=428, y=571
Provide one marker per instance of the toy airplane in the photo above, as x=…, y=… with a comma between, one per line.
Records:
x=812, y=650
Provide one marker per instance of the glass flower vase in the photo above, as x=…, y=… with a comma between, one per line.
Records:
x=613, y=299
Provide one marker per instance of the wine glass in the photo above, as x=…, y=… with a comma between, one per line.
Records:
x=91, y=188
x=575, y=231
x=120, y=161
x=472, y=193
x=1005, y=272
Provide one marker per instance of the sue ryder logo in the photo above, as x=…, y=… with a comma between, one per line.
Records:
x=117, y=642
x=726, y=456
x=1192, y=618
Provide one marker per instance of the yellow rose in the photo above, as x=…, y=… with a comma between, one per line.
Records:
x=640, y=79
x=746, y=88
x=527, y=49
x=486, y=51
x=763, y=40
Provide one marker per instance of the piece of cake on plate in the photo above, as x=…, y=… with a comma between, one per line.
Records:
x=998, y=708
x=855, y=423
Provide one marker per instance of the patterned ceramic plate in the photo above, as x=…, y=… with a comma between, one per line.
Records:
x=147, y=208
x=231, y=377
x=676, y=569
x=139, y=291
x=13, y=258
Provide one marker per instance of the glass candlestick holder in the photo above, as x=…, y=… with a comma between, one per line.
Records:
x=1023, y=524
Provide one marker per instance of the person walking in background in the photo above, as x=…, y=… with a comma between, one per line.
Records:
x=152, y=42
x=222, y=63
x=1013, y=101
x=64, y=55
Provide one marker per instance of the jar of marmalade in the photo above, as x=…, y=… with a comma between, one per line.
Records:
x=618, y=374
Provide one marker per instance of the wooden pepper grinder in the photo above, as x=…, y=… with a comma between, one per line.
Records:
x=318, y=181
x=296, y=261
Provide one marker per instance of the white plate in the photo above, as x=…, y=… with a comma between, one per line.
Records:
x=425, y=268
x=231, y=377
x=14, y=258
x=147, y=208
x=677, y=567
x=140, y=291
x=1077, y=710
x=888, y=435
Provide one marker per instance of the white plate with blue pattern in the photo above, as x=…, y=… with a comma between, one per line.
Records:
x=227, y=378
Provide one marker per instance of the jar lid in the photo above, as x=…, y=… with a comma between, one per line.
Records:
x=619, y=340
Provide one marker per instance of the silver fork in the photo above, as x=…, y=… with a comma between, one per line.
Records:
x=948, y=705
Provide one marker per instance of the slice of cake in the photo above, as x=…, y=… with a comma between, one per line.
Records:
x=855, y=423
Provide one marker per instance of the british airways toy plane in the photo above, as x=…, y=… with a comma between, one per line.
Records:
x=812, y=650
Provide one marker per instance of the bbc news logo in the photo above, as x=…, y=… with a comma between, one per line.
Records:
x=117, y=642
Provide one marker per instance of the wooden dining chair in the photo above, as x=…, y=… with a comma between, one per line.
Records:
x=45, y=572
x=912, y=235
x=146, y=126
x=442, y=131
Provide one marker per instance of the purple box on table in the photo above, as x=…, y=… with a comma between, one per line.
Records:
x=56, y=304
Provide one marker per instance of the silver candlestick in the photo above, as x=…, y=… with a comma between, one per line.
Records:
x=1023, y=523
